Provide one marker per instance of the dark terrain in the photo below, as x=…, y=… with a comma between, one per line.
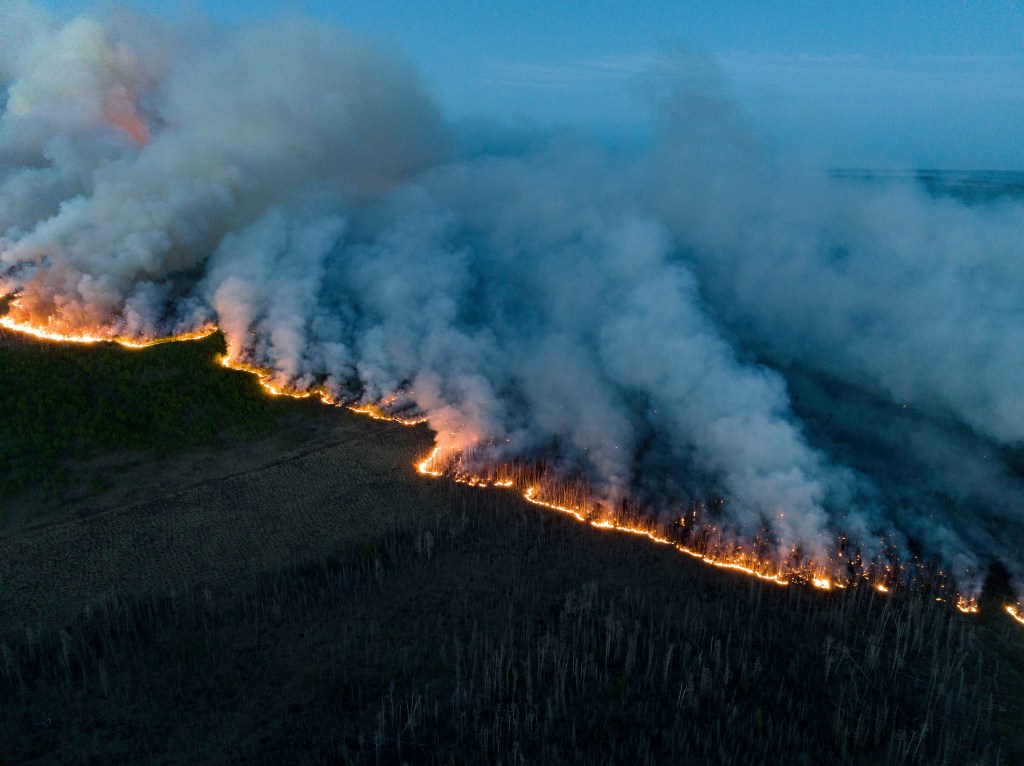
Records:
x=194, y=573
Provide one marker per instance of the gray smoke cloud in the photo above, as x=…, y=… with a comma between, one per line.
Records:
x=832, y=357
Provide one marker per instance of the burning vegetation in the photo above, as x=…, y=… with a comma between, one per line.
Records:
x=693, y=534
x=502, y=632
x=805, y=377
x=500, y=629
x=808, y=381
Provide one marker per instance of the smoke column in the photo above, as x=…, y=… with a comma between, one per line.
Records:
x=832, y=357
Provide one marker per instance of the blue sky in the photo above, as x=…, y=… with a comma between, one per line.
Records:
x=918, y=84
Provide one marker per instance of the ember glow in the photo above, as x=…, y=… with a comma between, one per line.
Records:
x=265, y=377
x=966, y=604
x=121, y=112
x=431, y=465
x=440, y=463
x=49, y=331
x=807, y=377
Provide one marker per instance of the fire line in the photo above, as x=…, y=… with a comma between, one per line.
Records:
x=503, y=479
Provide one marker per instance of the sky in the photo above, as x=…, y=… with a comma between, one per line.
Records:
x=851, y=84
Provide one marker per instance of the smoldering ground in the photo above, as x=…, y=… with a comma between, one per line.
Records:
x=833, y=358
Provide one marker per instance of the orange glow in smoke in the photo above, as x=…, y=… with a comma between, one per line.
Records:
x=439, y=463
x=121, y=111
x=430, y=466
x=52, y=331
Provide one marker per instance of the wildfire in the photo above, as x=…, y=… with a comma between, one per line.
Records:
x=439, y=463
x=733, y=565
x=426, y=466
x=966, y=605
x=434, y=465
x=375, y=412
x=66, y=336
x=531, y=496
x=263, y=376
x=121, y=111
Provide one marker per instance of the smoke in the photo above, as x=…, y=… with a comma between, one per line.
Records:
x=832, y=357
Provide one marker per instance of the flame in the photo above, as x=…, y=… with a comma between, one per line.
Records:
x=264, y=377
x=67, y=336
x=440, y=462
x=734, y=565
x=374, y=411
x=426, y=466
x=966, y=605
x=430, y=466
x=531, y=496
x=120, y=110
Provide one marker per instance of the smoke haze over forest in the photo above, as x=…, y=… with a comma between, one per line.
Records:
x=833, y=355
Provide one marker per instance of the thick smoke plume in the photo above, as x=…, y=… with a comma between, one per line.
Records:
x=835, y=358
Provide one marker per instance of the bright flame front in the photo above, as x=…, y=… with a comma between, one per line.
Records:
x=439, y=463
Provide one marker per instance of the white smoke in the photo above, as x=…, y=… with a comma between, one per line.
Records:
x=645, y=321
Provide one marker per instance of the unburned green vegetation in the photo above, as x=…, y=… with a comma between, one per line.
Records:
x=63, y=402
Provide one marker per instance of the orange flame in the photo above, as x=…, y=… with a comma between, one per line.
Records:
x=69, y=336
x=734, y=565
x=430, y=466
x=120, y=110
x=426, y=466
x=436, y=465
x=375, y=412
x=966, y=605
x=264, y=375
